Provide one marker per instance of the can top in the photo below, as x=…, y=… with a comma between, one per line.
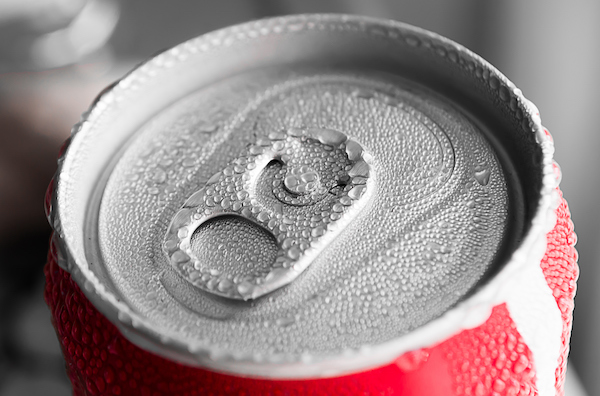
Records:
x=299, y=191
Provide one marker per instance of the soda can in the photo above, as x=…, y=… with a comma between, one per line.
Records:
x=314, y=204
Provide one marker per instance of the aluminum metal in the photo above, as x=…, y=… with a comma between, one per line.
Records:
x=307, y=196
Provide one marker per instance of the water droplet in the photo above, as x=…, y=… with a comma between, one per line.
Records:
x=356, y=192
x=151, y=295
x=483, y=176
x=346, y=201
x=329, y=136
x=226, y=203
x=277, y=136
x=291, y=181
x=207, y=128
x=359, y=169
x=295, y=132
x=362, y=93
x=180, y=257
x=263, y=216
x=224, y=285
x=411, y=361
x=285, y=322
x=353, y=150
x=255, y=150
x=159, y=176
x=294, y=253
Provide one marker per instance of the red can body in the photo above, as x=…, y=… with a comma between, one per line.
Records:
x=491, y=359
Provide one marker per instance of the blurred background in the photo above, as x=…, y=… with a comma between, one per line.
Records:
x=56, y=55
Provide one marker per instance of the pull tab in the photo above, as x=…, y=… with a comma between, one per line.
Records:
x=261, y=221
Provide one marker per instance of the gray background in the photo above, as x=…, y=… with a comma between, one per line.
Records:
x=548, y=48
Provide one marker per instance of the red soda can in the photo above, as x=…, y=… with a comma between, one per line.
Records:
x=315, y=204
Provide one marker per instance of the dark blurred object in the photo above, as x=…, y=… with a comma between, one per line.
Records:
x=30, y=358
x=37, y=110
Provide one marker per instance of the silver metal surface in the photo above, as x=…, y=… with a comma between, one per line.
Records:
x=295, y=186
x=297, y=190
x=398, y=228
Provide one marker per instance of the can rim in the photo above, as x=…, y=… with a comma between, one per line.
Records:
x=470, y=312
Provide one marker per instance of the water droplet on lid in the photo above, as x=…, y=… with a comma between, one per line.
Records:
x=359, y=169
x=277, y=136
x=329, y=136
x=291, y=181
x=483, y=176
x=188, y=162
x=212, y=283
x=151, y=295
x=362, y=93
x=171, y=245
x=353, y=150
x=224, y=285
x=263, y=216
x=309, y=176
x=318, y=231
x=293, y=253
x=209, y=201
x=295, y=132
x=159, y=176
x=285, y=322
x=344, y=179
x=246, y=212
x=180, y=257
x=255, y=150
x=166, y=162
x=346, y=201
x=359, y=180
x=182, y=233
x=287, y=243
x=207, y=128
x=356, y=192
x=263, y=142
x=226, y=203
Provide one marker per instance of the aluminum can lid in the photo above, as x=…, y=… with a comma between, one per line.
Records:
x=297, y=191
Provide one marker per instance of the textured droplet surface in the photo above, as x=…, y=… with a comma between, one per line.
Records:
x=369, y=190
x=226, y=239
